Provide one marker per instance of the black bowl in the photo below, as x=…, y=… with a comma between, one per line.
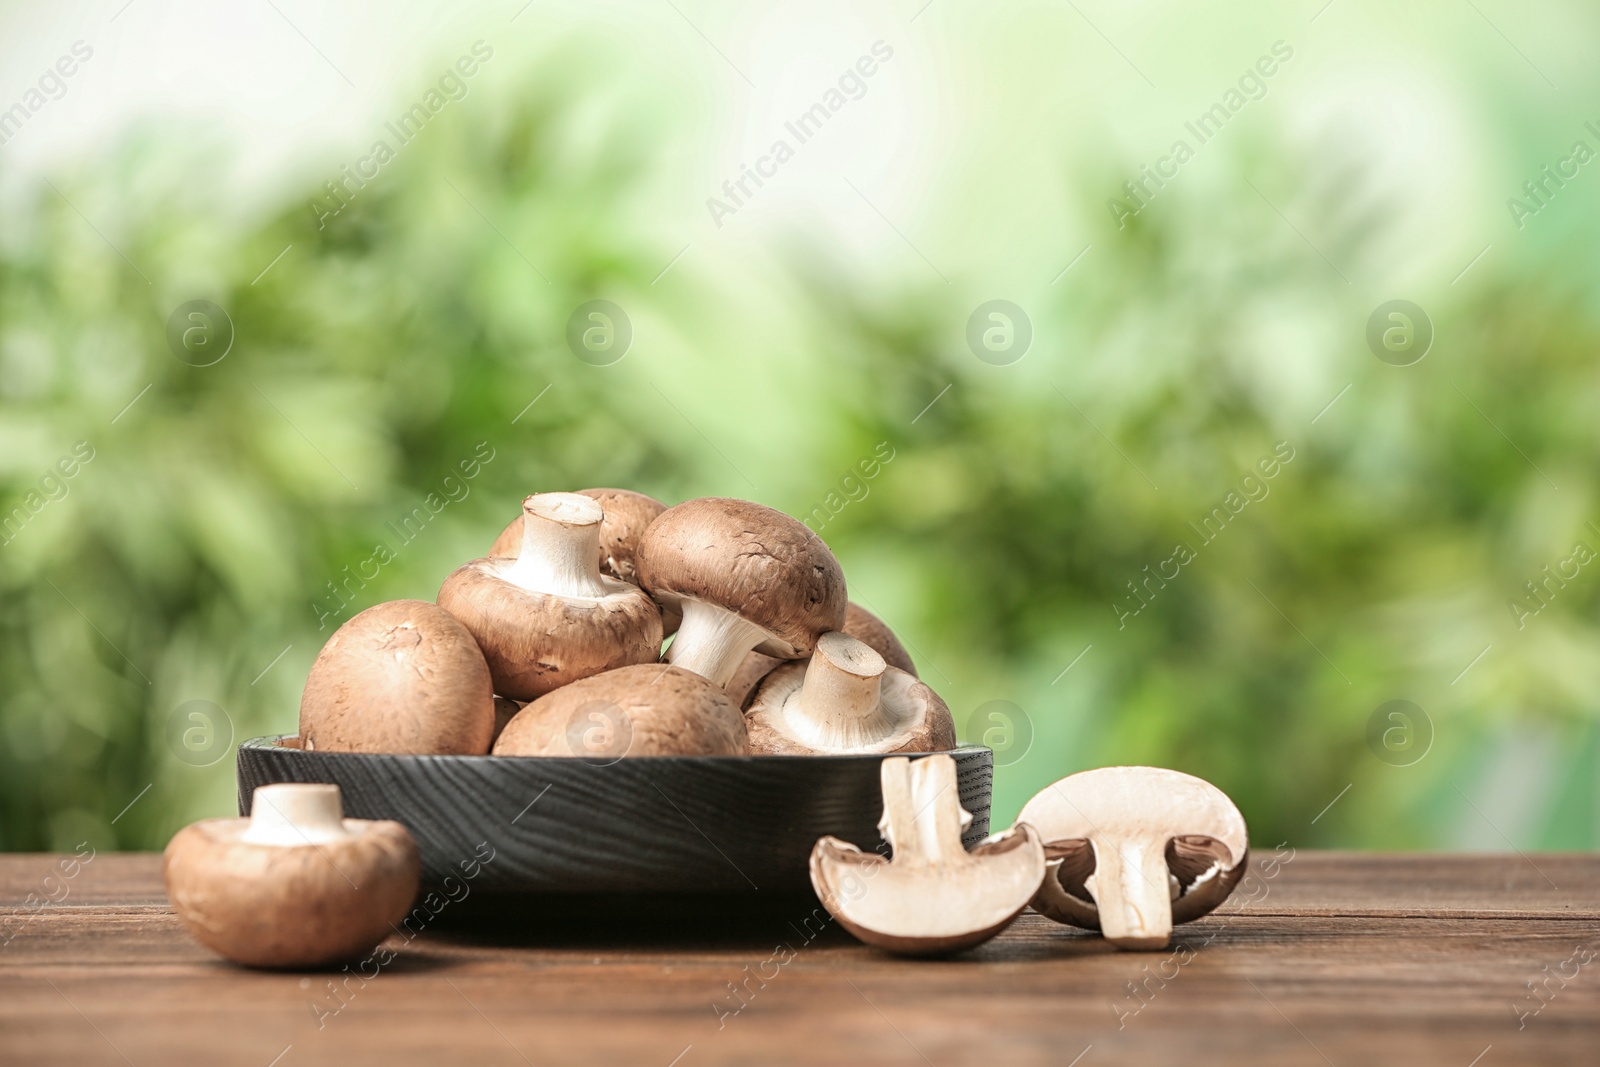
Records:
x=676, y=824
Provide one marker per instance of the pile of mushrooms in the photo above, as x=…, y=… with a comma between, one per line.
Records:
x=559, y=632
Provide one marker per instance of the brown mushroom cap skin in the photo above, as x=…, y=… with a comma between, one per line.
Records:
x=769, y=568
x=404, y=677
x=754, y=667
x=537, y=642
x=661, y=711
x=280, y=907
x=627, y=515
x=866, y=627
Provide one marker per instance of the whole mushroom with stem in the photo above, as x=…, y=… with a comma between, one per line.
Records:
x=294, y=885
x=845, y=699
x=627, y=515
x=859, y=623
x=1133, y=850
x=549, y=617
x=744, y=577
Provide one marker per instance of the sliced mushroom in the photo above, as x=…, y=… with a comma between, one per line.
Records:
x=295, y=884
x=933, y=896
x=845, y=699
x=404, y=677
x=647, y=710
x=745, y=576
x=627, y=514
x=549, y=617
x=1134, y=850
x=859, y=623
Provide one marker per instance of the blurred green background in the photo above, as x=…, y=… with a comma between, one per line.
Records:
x=822, y=321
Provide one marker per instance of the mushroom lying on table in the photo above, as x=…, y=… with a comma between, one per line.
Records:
x=295, y=884
x=401, y=677
x=647, y=710
x=845, y=699
x=1134, y=850
x=933, y=896
x=549, y=617
x=744, y=576
x=859, y=623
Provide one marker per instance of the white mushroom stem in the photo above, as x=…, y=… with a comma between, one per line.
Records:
x=560, y=547
x=712, y=641
x=1132, y=891
x=295, y=813
x=840, y=703
x=922, y=814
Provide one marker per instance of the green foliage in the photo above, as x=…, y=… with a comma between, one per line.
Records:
x=224, y=507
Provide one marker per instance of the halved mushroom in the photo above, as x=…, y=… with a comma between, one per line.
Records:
x=745, y=576
x=295, y=884
x=647, y=710
x=549, y=617
x=845, y=699
x=1134, y=850
x=933, y=896
x=627, y=514
x=859, y=623
x=404, y=677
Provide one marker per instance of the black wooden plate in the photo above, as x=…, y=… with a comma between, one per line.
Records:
x=677, y=824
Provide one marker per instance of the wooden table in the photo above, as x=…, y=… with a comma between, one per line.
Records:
x=1320, y=958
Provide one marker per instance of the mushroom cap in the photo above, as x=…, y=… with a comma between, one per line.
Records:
x=754, y=667
x=751, y=560
x=537, y=642
x=644, y=710
x=866, y=627
x=933, y=896
x=911, y=716
x=873, y=899
x=1202, y=833
x=401, y=677
x=627, y=514
x=291, y=905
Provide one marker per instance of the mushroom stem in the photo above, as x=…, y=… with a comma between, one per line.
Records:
x=295, y=813
x=712, y=641
x=922, y=813
x=1132, y=891
x=840, y=703
x=560, y=546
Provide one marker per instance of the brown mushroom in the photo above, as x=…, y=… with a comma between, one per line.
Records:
x=295, y=884
x=646, y=710
x=745, y=576
x=845, y=699
x=505, y=709
x=549, y=617
x=402, y=677
x=859, y=623
x=627, y=514
x=933, y=896
x=1134, y=850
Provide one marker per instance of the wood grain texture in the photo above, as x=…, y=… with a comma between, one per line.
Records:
x=690, y=824
x=1334, y=958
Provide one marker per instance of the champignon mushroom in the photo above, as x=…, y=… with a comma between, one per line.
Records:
x=933, y=896
x=1134, y=850
x=295, y=884
x=845, y=699
x=745, y=576
x=627, y=514
x=646, y=710
x=549, y=617
x=859, y=623
x=402, y=677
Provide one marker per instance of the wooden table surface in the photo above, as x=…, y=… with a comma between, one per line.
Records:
x=1320, y=958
